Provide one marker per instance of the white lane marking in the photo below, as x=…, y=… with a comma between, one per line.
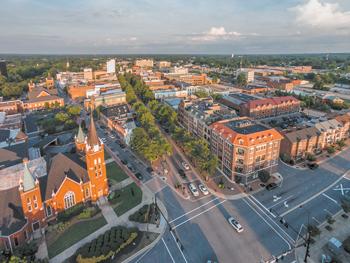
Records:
x=290, y=238
x=316, y=195
x=314, y=218
x=280, y=201
x=330, y=198
x=171, y=256
x=301, y=227
x=206, y=210
x=178, y=246
x=194, y=209
x=144, y=254
x=256, y=200
x=289, y=246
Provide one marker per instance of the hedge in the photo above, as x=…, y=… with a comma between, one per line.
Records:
x=70, y=212
x=106, y=245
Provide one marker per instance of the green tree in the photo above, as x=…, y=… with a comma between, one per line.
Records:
x=241, y=79
x=74, y=110
x=61, y=117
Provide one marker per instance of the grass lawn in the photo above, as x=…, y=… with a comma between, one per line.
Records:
x=115, y=173
x=75, y=233
x=126, y=198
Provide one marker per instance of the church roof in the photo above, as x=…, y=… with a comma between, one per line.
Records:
x=92, y=135
x=62, y=166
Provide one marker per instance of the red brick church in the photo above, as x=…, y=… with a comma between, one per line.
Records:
x=33, y=192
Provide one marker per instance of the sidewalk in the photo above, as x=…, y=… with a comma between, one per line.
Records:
x=340, y=231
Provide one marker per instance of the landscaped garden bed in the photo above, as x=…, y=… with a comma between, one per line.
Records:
x=108, y=245
x=125, y=199
x=146, y=214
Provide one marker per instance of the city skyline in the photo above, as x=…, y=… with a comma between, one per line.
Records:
x=175, y=27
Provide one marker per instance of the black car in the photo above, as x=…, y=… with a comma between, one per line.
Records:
x=125, y=162
x=122, y=146
x=149, y=169
x=271, y=186
x=139, y=176
x=312, y=166
x=182, y=173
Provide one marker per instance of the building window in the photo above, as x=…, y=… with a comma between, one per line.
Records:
x=87, y=192
x=35, y=205
x=48, y=210
x=69, y=200
x=25, y=234
x=29, y=208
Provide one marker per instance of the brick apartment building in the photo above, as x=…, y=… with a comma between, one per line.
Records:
x=245, y=147
x=259, y=108
x=298, y=144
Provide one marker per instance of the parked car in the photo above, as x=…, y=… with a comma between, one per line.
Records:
x=139, y=176
x=271, y=186
x=203, y=189
x=182, y=173
x=235, y=224
x=149, y=169
x=125, y=162
x=186, y=166
x=312, y=166
x=193, y=189
x=131, y=168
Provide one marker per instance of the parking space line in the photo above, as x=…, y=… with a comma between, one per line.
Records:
x=328, y=212
x=179, y=247
x=206, y=210
x=171, y=256
x=330, y=198
x=194, y=209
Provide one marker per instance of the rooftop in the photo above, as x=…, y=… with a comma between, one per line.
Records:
x=239, y=98
x=245, y=126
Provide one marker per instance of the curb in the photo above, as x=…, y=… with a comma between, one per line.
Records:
x=150, y=246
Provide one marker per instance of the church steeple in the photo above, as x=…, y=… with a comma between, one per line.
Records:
x=28, y=183
x=92, y=139
x=80, y=139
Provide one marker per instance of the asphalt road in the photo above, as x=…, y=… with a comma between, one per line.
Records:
x=305, y=196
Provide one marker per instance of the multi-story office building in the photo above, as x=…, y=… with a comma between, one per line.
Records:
x=108, y=98
x=196, y=115
x=244, y=147
x=144, y=63
x=164, y=64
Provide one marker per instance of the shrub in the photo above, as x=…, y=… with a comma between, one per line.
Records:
x=285, y=158
x=346, y=244
x=310, y=157
x=341, y=143
x=330, y=220
x=313, y=230
x=264, y=176
x=89, y=212
x=330, y=149
x=70, y=213
x=328, y=227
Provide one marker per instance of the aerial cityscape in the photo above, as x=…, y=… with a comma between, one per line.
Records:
x=175, y=131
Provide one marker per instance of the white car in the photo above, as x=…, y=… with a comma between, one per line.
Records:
x=203, y=189
x=103, y=139
x=193, y=189
x=235, y=224
x=186, y=166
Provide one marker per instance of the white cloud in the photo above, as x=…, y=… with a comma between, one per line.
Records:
x=324, y=15
x=216, y=33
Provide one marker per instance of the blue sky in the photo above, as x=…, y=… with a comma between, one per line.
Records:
x=174, y=26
